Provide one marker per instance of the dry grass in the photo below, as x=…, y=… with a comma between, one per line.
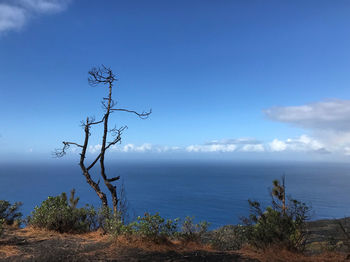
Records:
x=43, y=234
x=275, y=254
x=165, y=246
x=45, y=245
x=31, y=232
x=7, y=251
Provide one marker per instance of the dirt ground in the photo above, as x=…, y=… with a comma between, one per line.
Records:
x=29, y=244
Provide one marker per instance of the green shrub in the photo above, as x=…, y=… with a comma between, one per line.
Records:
x=2, y=222
x=57, y=214
x=229, y=238
x=9, y=213
x=115, y=227
x=191, y=231
x=283, y=224
x=154, y=227
x=111, y=223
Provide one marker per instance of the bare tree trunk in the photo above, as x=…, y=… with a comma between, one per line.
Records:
x=101, y=76
x=86, y=173
x=111, y=188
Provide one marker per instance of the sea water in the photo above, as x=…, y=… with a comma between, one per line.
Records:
x=213, y=191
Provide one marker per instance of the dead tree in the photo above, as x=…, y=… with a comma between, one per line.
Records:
x=105, y=77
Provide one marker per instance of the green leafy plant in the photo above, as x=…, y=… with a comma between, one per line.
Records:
x=111, y=223
x=9, y=213
x=229, y=238
x=154, y=227
x=57, y=214
x=73, y=202
x=282, y=224
x=2, y=222
x=191, y=231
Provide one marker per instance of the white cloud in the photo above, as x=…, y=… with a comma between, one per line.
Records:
x=330, y=115
x=94, y=149
x=253, y=148
x=161, y=149
x=277, y=145
x=133, y=148
x=237, y=141
x=328, y=121
x=302, y=143
x=347, y=151
x=229, y=145
x=211, y=148
x=45, y=6
x=11, y=17
x=14, y=14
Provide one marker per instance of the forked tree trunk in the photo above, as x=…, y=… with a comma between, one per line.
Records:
x=101, y=76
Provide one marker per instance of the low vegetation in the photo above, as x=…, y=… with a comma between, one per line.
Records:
x=9, y=213
x=272, y=227
x=154, y=227
x=59, y=214
x=191, y=232
x=229, y=238
x=2, y=222
x=282, y=224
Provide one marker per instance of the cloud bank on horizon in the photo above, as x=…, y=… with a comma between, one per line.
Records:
x=328, y=121
x=14, y=14
x=303, y=143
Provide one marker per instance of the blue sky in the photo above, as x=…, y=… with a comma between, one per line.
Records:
x=247, y=79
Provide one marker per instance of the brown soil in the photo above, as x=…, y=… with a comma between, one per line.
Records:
x=30, y=244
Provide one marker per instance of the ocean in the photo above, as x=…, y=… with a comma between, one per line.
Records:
x=213, y=191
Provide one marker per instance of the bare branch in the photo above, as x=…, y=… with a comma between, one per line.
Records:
x=63, y=151
x=143, y=115
x=118, y=138
x=94, y=162
x=101, y=75
x=116, y=132
x=72, y=143
x=113, y=179
x=91, y=121
x=97, y=122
